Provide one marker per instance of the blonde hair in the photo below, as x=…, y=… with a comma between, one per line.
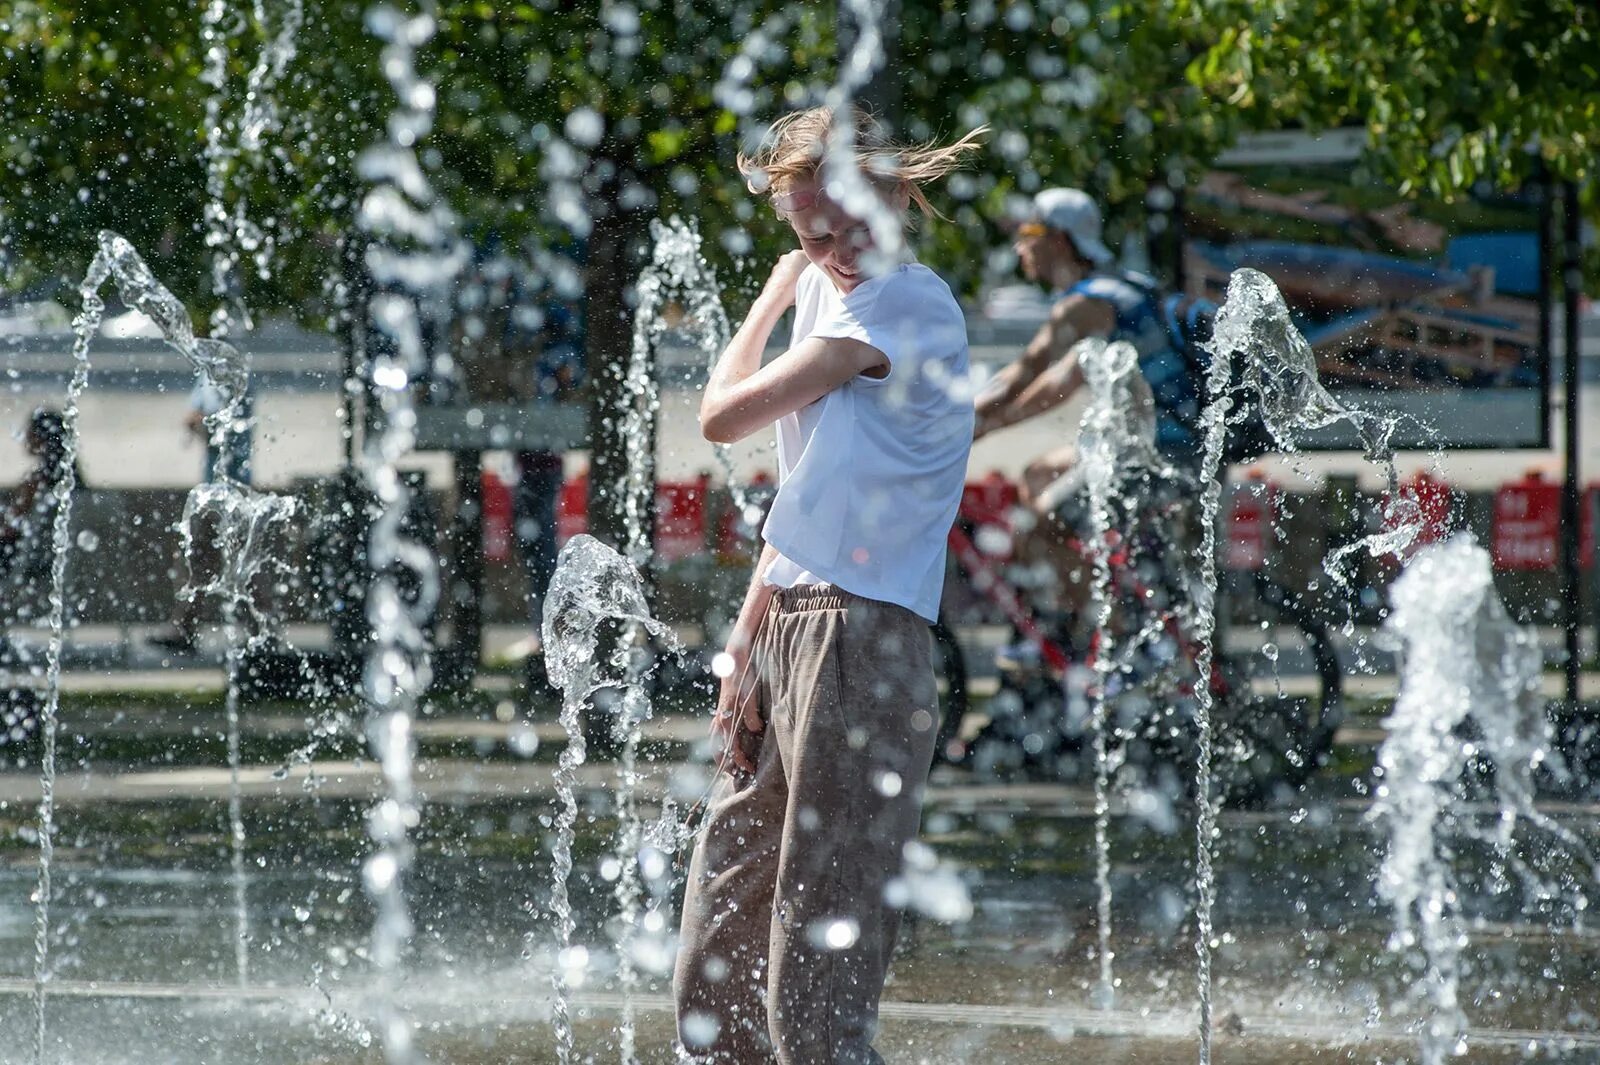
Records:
x=795, y=147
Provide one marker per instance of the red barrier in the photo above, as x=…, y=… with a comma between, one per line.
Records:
x=1526, y=532
x=1434, y=500
x=1588, y=507
x=498, y=534
x=680, y=515
x=1252, y=505
x=681, y=518
x=572, y=508
x=988, y=504
x=989, y=500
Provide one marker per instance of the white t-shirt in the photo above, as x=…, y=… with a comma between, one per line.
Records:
x=870, y=475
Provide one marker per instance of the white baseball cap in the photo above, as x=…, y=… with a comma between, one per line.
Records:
x=1074, y=212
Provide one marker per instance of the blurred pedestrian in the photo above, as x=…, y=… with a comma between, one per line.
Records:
x=1060, y=245
x=27, y=520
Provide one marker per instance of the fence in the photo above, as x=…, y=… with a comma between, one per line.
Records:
x=126, y=566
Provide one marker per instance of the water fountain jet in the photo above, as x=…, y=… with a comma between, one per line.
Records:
x=594, y=587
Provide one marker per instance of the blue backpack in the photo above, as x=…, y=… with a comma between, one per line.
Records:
x=1172, y=333
x=1189, y=321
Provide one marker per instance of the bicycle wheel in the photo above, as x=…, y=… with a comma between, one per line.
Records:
x=1270, y=745
x=1264, y=745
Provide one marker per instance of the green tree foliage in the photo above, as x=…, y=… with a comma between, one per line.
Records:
x=101, y=128
x=1451, y=93
x=1089, y=95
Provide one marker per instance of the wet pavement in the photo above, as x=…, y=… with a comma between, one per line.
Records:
x=143, y=961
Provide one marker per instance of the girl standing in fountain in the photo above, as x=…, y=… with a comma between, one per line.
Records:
x=827, y=713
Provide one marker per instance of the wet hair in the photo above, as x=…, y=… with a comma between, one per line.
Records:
x=795, y=147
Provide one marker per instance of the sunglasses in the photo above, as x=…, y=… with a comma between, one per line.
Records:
x=790, y=202
x=1032, y=229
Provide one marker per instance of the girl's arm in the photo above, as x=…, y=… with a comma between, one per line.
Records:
x=742, y=396
x=736, y=702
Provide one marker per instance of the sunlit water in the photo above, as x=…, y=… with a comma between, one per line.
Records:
x=413, y=257
x=1116, y=434
x=595, y=593
x=1302, y=973
x=237, y=139
x=248, y=533
x=679, y=278
x=1263, y=366
x=224, y=367
x=85, y=326
x=1278, y=370
x=1469, y=701
x=240, y=521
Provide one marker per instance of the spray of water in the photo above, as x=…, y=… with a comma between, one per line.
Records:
x=224, y=367
x=222, y=506
x=260, y=117
x=1463, y=659
x=243, y=527
x=677, y=267
x=849, y=187
x=230, y=234
x=1254, y=336
x=1214, y=423
x=234, y=142
x=220, y=24
x=220, y=363
x=84, y=328
x=1277, y=366
x=413, y=256
x=594, y=586
x=1117, y=432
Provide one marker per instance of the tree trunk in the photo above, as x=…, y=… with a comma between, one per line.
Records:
x=881, y=94
x=611, y=270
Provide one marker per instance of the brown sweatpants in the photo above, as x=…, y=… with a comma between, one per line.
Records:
x=786, y=887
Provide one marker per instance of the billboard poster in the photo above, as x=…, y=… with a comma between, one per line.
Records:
x=1418, y=306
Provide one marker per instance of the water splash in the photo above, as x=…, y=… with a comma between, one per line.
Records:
x=593, y=586
x=219, y=362
x=233, y=150
x=678, y=266
x=260, y=117
x=1214, y=425
x=242, y=526
x=220, y=24
x=847, y=184
x=1463, y=658
x=84, y=327
x=413, y=256
x=1117, y=432
x=230, y=509
x=1278, y=367
x=222, y=365
x=1254, y=336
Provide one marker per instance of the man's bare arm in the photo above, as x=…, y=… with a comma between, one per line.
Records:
x=1044, y=375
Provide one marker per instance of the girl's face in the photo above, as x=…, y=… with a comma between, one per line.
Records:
x=832, y=238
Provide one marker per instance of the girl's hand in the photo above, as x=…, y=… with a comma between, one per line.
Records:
x=785, y=276
x=738, y=710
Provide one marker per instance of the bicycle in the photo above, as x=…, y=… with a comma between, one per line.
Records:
x=1038, y=722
